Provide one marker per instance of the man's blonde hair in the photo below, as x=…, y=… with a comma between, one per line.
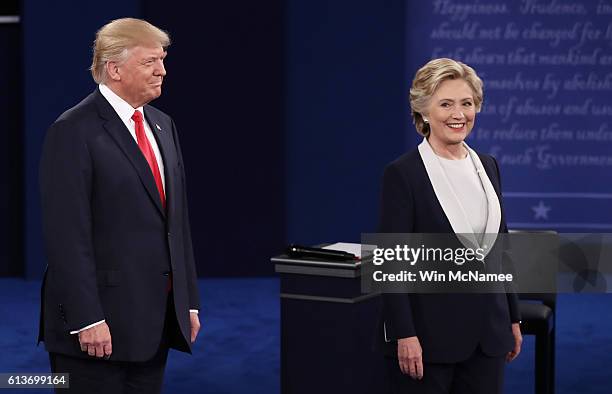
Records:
x=115, y=39
x=427, y=80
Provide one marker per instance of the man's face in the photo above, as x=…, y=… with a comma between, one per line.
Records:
x=142, y=74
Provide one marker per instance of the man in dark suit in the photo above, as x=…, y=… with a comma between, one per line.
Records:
x=121, y=286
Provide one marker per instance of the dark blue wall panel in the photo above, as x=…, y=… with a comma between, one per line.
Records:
x=346, y=112
x=224, y=91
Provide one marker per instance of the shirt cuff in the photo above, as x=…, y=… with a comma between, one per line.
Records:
x=89, y=326
x=194, y=311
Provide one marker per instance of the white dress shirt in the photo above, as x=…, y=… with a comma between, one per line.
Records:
x=125, y=112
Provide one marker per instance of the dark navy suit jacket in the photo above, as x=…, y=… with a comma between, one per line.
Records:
x=449, y=326
x=110, y=245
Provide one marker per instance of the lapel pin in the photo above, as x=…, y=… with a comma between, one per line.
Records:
x=158, y=128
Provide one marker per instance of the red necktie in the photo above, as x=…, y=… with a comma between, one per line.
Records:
x=147, y=151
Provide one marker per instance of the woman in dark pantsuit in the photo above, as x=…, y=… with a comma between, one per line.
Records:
x=446, y=343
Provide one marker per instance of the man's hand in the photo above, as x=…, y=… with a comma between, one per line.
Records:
x=195, y=325
x=96, y=341
x=518, y=341
x=410, y=356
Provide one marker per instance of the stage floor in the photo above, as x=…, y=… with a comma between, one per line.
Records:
x=238, y=348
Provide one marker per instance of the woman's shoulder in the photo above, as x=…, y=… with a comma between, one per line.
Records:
x=407, y=160
x=485, y=158
x=490, y=165
x=487, y=161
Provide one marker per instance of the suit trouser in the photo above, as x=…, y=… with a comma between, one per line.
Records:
x=479, y=374
x=94, y=375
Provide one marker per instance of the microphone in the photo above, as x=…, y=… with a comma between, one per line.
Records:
x=324, y=254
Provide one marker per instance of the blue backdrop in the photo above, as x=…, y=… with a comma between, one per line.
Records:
x=547, y=113
x=345, y=113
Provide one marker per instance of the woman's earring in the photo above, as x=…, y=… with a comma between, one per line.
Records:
x=425, y=120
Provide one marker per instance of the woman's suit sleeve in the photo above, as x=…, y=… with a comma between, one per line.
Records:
x=513, y=302
x=396, y=216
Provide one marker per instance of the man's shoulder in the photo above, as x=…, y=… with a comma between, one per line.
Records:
x=83, y=111
x=157, y=113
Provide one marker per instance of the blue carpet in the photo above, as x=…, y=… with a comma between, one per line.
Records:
x=238, y=348
x=583, y=351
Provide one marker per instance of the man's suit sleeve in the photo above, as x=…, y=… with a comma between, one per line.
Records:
x=190, y=266
x=513, y=301
x=66, y=172
x=396, y=216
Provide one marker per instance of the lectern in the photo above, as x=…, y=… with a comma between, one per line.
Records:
x=327, y=329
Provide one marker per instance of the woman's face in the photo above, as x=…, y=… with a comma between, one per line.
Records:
x=451, y=112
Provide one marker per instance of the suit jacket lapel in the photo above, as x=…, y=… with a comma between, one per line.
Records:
x=121, y=135
x=451, y=206
x=494, y=208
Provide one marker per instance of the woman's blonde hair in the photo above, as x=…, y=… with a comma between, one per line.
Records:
x=427, y=80
x=114, y=40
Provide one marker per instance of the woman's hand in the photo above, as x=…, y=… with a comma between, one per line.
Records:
x=409, y=354
x=518, y=341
